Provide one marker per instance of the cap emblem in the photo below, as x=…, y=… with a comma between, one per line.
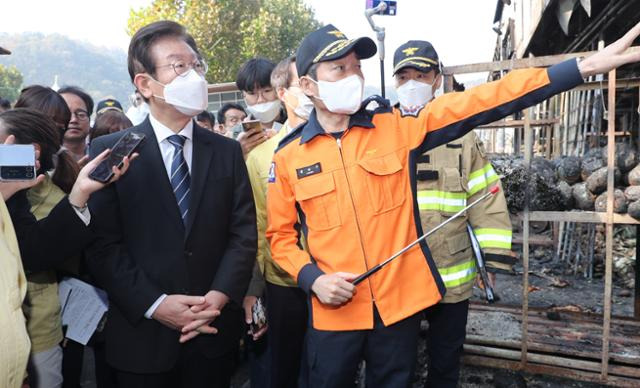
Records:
x=410, y=51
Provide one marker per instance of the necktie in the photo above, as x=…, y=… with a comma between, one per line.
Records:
x=180, y=179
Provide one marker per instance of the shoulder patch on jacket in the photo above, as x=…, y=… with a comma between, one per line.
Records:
x=272, y=173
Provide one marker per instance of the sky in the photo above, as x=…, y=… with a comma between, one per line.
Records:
x=460, y=30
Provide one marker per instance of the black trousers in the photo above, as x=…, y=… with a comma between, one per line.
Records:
x=193, y=370
x=73, y=361
x=390, y=354
x=259, y=363
x=287, y=314
x=447, y=331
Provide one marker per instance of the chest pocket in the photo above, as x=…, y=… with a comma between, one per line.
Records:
x=453, y=194
x=318, y=198
x=384, y=180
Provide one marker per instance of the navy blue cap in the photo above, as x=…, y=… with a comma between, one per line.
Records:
x=328, y=44
x=108, y=104
x=418, y=54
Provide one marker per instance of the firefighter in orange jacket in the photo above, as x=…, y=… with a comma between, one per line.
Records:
x=345, y=174
x=447, y=178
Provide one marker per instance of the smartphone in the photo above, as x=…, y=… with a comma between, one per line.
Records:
x=124, y=147
x=258, y=316
x=390, y=10
x=251, y=124
x=17, y=162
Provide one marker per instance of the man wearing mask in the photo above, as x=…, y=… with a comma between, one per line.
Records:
x=343, y=180
x=448, y=177
x=254, y=79
x=81, y=107
x=230, y=118
x=286, y=303
x=177, y=239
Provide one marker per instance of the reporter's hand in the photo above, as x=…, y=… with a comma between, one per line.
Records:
x=214, y=303
x=175, y=311
x=251, y=139
x=85, y=186
x=247, y=305
x=9, y=188
x=334, y=289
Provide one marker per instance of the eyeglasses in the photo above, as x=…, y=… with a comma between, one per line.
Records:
x=81, y=115
x=182, y=67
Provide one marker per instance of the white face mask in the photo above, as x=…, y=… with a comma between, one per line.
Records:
x=414, y=94
x=138, y=114
x=344, y=96
x=304, y=105
x=187, y=93
x=266, y=112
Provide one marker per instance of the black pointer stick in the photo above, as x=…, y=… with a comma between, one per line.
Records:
x=378, y=267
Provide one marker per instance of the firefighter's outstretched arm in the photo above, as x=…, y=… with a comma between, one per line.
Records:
x=612, y=56
x=452, y=115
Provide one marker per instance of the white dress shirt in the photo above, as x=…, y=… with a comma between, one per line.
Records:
x=167, y=150
x=83, y=214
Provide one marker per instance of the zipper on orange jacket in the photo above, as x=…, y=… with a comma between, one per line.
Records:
x=355, y=212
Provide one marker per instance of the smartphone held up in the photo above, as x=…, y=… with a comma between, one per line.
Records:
x=252, y=124
x=125, y=147
x=17, y=162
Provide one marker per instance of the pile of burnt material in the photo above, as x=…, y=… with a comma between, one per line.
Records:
x=572, y=182
x=538, y=185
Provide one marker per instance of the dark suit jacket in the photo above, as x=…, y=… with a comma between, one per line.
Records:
x=143, y=249
x=49, y=242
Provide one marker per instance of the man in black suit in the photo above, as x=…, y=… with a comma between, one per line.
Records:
x=176, y=236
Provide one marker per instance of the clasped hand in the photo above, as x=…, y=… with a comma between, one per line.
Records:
x=191, y=315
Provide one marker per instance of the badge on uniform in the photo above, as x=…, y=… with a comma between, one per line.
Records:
x=272, y=173
x=309, y=170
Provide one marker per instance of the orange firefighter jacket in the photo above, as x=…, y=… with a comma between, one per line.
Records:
x=351, y=196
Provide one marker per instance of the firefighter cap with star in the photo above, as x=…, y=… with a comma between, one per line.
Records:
x=108, y=104
x=417, y=54
x=328, y=44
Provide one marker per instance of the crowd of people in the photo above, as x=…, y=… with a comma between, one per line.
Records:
x=243, y=232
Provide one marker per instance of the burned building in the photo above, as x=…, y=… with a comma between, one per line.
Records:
x=582, y=144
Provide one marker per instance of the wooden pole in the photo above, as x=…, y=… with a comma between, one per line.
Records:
x=606, y=327
x=636, y=298
x=512, y=64
x=528, y=150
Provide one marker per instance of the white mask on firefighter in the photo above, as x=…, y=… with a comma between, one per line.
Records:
x=413, y=94
x=266, y=112
x=344, y=96
x=187, y=93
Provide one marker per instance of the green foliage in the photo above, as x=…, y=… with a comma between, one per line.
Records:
x=10, y=82
x=100, y=71
x=229, y=32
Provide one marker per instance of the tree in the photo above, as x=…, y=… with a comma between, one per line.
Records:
x=10, y=82
x=229, y=32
